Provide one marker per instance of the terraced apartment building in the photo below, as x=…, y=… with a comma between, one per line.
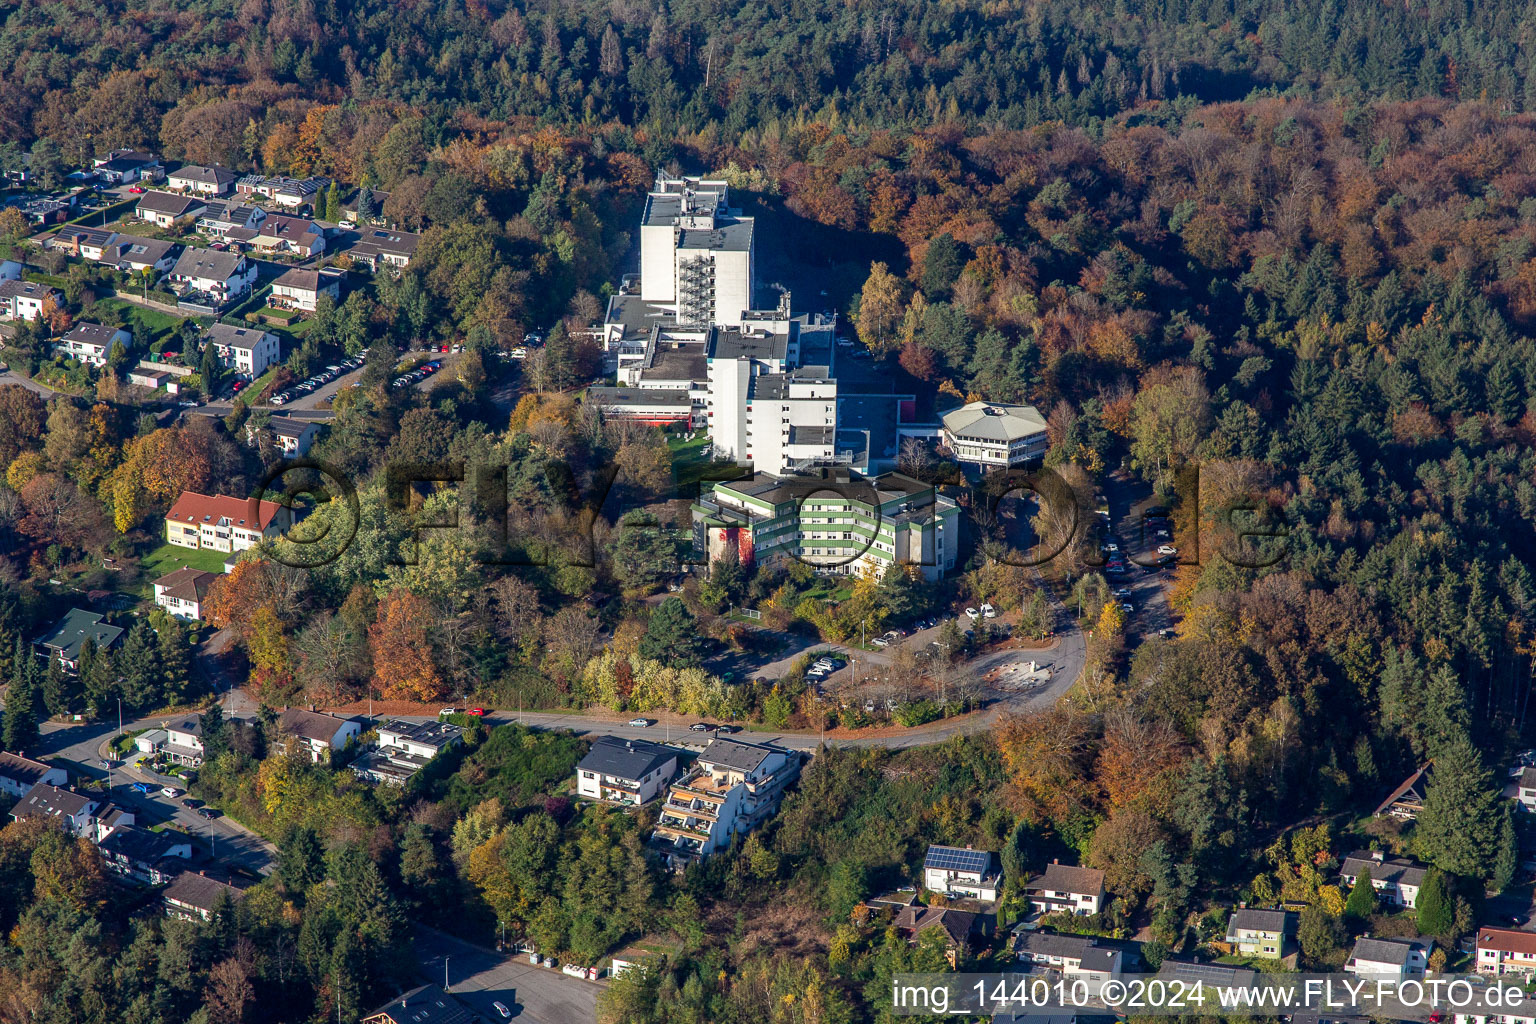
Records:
x=834, y=519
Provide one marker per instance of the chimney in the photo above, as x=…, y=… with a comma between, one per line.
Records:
x=1378, y=856
x=1055, y=860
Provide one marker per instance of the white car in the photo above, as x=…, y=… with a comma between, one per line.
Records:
x=988, y=611
x=1167, y=549
x=879, y=641
x=972, y=614
x=501, y=1008
x=171, y=791
x=519, y=353
x=1127, y=607
x=1122, y=591
x=640, y=723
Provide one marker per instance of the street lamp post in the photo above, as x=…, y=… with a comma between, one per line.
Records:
x=445, y=972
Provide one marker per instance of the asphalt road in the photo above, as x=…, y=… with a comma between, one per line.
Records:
x=80, y=748
x=481, y=977
x=12, y=377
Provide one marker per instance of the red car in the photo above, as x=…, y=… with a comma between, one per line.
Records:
x=137, y=190
x=475, y=711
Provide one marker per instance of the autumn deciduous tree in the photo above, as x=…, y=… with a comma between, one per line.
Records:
x=402, y=648
x=880, y=307
x=157, y=467
x=1134, y=756
x=1046, y=755
x=22, y=415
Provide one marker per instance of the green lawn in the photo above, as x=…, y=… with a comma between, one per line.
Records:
x=255, y=387
x=148, y=325
x=690, y=465
x=167, y=558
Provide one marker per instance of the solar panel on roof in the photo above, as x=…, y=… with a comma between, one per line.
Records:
x=950, y=858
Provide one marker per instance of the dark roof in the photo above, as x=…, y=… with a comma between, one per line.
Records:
x=625, y=759
x=307, y=280
x=380, y=240
x=635, y=315
x=92, y=334
x=1408, y=792
x=737, y=754
x=1053, y=944
x=427, y=1004
x=208, y=175
x=43, y=800
x=236, y=336
x=69, y=635
x=200, y=891
x=287, y=426
x=187, y=583
x=138, y=844
x=957, y=924
x=736, y=343
x=142, y=250
x=683, y=363
x=1206, y=974
x=640, y=396
x=208, y=263
x=85, y=236
x=311, y=725
x=954, y=858
x=1387, y=951
x=435, y=734
x=727, y=235
x=192, y=725
x=169, y=203
x=23, y=769
x=1066, y=878
x=811, y=435
x=24, y=289
x=1259, y=921
x=1396, y=870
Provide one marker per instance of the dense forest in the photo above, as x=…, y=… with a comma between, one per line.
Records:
x=1292, y=247
x=108, y=74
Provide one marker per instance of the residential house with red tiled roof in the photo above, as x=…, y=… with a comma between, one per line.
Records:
x=223, y=523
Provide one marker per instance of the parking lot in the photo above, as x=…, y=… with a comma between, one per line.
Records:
x=309, y=387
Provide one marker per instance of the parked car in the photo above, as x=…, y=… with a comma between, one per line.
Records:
x=208, y=813
x=449, y=711
x=726, y=730
x=698, y=727
x=501, y=1008
x=170, y=791
x=988, y=611
x=137, y=190
x=1167, y=549
x=477, y=712
x=972, y=614
x=879, y=641
x=640, y=723
x=141, y=787
x=1127, y=607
